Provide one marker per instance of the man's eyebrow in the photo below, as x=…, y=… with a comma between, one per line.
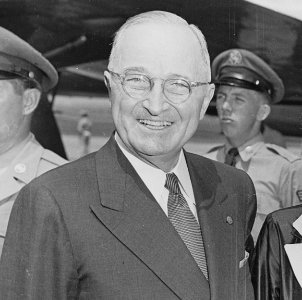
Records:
x=137, y=69
x=175, y=75
x=144, y=70
x=236, y=94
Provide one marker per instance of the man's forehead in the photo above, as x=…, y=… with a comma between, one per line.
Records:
x=173, y=45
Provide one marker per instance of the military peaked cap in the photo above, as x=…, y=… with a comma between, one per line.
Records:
x=20, y=59
x=242, y=68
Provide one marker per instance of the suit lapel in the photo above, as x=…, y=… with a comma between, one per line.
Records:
x=212, y=209
x=131, y=213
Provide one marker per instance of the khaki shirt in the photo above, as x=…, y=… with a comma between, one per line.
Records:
x=31, y=162
x=276, y=173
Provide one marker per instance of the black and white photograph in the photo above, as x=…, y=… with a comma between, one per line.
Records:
x=151, y=150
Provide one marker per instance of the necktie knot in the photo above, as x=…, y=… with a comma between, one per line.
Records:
x=172, y=183
x=230, y=158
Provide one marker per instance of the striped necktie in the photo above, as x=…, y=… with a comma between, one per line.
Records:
x=230, y=158
x=185, y=223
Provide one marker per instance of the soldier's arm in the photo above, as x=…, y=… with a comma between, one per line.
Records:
x=291, y=184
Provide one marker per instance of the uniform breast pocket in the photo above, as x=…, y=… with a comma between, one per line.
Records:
x=266, y=203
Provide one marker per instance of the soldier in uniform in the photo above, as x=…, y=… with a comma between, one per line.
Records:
x=246, y=87
x=24, y=74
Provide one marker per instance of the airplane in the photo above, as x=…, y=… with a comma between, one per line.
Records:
x=76, y=36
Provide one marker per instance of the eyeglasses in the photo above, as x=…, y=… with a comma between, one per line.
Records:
x=138, y=86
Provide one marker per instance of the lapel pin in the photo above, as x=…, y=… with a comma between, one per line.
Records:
x=229, y=220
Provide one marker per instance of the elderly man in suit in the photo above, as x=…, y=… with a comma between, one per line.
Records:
x=278, y=256
x=141, y=218
x=24, y=75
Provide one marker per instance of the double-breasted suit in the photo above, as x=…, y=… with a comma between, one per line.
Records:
x=92, y=230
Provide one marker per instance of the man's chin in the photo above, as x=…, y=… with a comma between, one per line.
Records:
x=152, y=150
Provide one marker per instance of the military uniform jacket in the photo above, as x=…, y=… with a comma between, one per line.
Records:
x=272, y=274
x=93, y=230
x=32, y=161
x=276, y=173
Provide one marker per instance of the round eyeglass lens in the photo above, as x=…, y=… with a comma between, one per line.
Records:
x=177, y=90
x=137, y=85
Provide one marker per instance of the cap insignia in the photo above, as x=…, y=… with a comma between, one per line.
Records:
x=235, y=57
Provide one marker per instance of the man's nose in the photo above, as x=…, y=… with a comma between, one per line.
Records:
x=156, y=101
x=226, y=105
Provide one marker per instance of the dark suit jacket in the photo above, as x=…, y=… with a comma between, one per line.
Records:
x=92, y=230
x=272, y=274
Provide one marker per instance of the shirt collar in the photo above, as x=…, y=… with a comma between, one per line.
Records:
x=248, y=149
x=182, y=172
x=154, y=177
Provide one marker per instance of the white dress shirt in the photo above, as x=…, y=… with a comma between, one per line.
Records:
x=155, y=179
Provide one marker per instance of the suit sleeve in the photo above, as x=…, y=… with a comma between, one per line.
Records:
x=251, y=208
x=248, y=216
x=266, y=263
x=37, y=259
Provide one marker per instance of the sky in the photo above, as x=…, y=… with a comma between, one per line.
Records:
x=292, y=8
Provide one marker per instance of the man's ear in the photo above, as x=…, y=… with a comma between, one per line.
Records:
x=107, y=77
x=263, y=112
x=31, y=98
x=207, y=99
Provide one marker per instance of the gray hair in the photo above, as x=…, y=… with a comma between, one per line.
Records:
x=163, y=17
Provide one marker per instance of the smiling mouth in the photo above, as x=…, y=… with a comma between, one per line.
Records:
x=155, y=125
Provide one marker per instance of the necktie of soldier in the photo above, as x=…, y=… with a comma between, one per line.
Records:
x=185, y=223
x=230, y=158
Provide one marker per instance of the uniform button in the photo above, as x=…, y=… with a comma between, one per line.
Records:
x=229, y=220
x=20, y=168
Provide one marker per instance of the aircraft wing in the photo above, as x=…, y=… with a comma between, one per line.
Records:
x=76, y=36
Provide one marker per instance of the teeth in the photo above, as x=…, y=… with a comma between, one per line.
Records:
x=155, y=123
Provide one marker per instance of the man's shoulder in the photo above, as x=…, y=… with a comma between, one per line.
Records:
x=66, y=171
x=62, y=187
x=282, y=153
x=48, y=161
x=285, y=215
x=215, y=167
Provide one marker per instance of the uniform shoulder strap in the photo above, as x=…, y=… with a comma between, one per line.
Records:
x=289, y=156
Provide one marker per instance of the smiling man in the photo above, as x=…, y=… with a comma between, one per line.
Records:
x=247, y=86
x=141, y=218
